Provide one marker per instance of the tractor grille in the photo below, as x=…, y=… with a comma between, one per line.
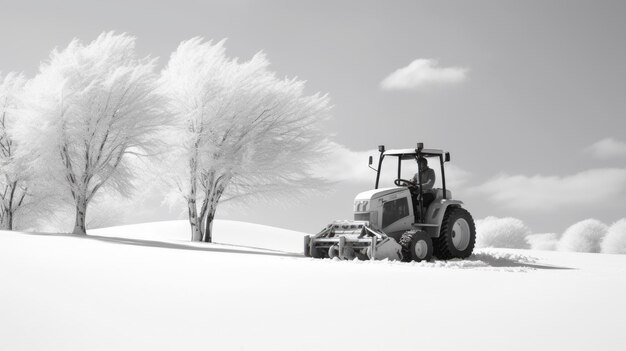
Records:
x=364, y=216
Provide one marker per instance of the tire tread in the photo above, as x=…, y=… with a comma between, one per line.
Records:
x=444, y=248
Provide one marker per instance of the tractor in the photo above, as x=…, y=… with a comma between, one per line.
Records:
x=406, y=222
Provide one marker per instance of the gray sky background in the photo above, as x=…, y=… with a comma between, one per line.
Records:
x=544, y=82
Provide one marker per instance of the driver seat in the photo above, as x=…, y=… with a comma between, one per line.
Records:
x=428, y=196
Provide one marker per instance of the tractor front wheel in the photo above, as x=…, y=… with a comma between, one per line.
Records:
x=421, y=247
x=416, y=246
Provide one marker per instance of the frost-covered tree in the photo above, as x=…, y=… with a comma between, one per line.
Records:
x=543, y=241
x=91, y=109
x=615, y=240
x=502, y=232
x=14, y=173
x=584, y=236
x=242, y=130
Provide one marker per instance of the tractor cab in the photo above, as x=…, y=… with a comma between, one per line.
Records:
x=400, y=168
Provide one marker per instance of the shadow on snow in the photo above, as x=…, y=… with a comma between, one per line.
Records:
x=208, y=247
x=477, y=260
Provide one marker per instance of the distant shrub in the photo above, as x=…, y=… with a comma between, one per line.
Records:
x=584, y=236
x=615, y=240
x=502, y=232
x=546, y=241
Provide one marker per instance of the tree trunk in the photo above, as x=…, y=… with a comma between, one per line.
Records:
x=212, y=198
x=81, y=214
x=3, y=216
x=9, y=220
x=9, y=210
x=194, y=222
x=208, y=225
x=196, y=235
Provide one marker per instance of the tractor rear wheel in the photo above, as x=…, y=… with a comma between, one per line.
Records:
x=457, y=236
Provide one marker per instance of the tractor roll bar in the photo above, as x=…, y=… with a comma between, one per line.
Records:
x=443, y=158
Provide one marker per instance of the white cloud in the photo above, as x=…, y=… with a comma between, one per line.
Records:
x=455, y=176
x=607, y=148
x=343, y=164
x=423, y=72
x=543, y=193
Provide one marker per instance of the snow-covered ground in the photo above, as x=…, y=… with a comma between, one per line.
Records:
x=145, y=287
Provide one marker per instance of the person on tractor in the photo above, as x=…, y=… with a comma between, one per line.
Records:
x=428, y=175
x=428, y=182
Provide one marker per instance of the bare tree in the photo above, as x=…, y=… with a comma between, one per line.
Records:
x=14, y=177
x=93, y=109
x=243, y=131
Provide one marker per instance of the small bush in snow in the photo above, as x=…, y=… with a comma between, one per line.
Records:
x=501, y=232
x=584, y=236
x=615, y=240
x=546, y=241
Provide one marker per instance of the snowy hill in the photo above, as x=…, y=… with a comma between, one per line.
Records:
x=146, y=287
x=247, y=235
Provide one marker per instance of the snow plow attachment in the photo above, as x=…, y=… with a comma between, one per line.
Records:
x=347, y=240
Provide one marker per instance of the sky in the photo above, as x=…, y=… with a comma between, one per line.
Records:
x=528, y=97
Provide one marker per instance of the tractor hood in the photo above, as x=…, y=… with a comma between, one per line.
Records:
x=376, y=193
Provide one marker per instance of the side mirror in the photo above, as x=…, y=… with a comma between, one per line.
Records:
x=420, y=146
x=447, y=157
x=371, y=160
x=381, y=148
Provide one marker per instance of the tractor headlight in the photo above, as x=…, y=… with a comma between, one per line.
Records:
x=361, y=206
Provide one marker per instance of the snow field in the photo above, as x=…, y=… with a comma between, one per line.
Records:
x=154, y=291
